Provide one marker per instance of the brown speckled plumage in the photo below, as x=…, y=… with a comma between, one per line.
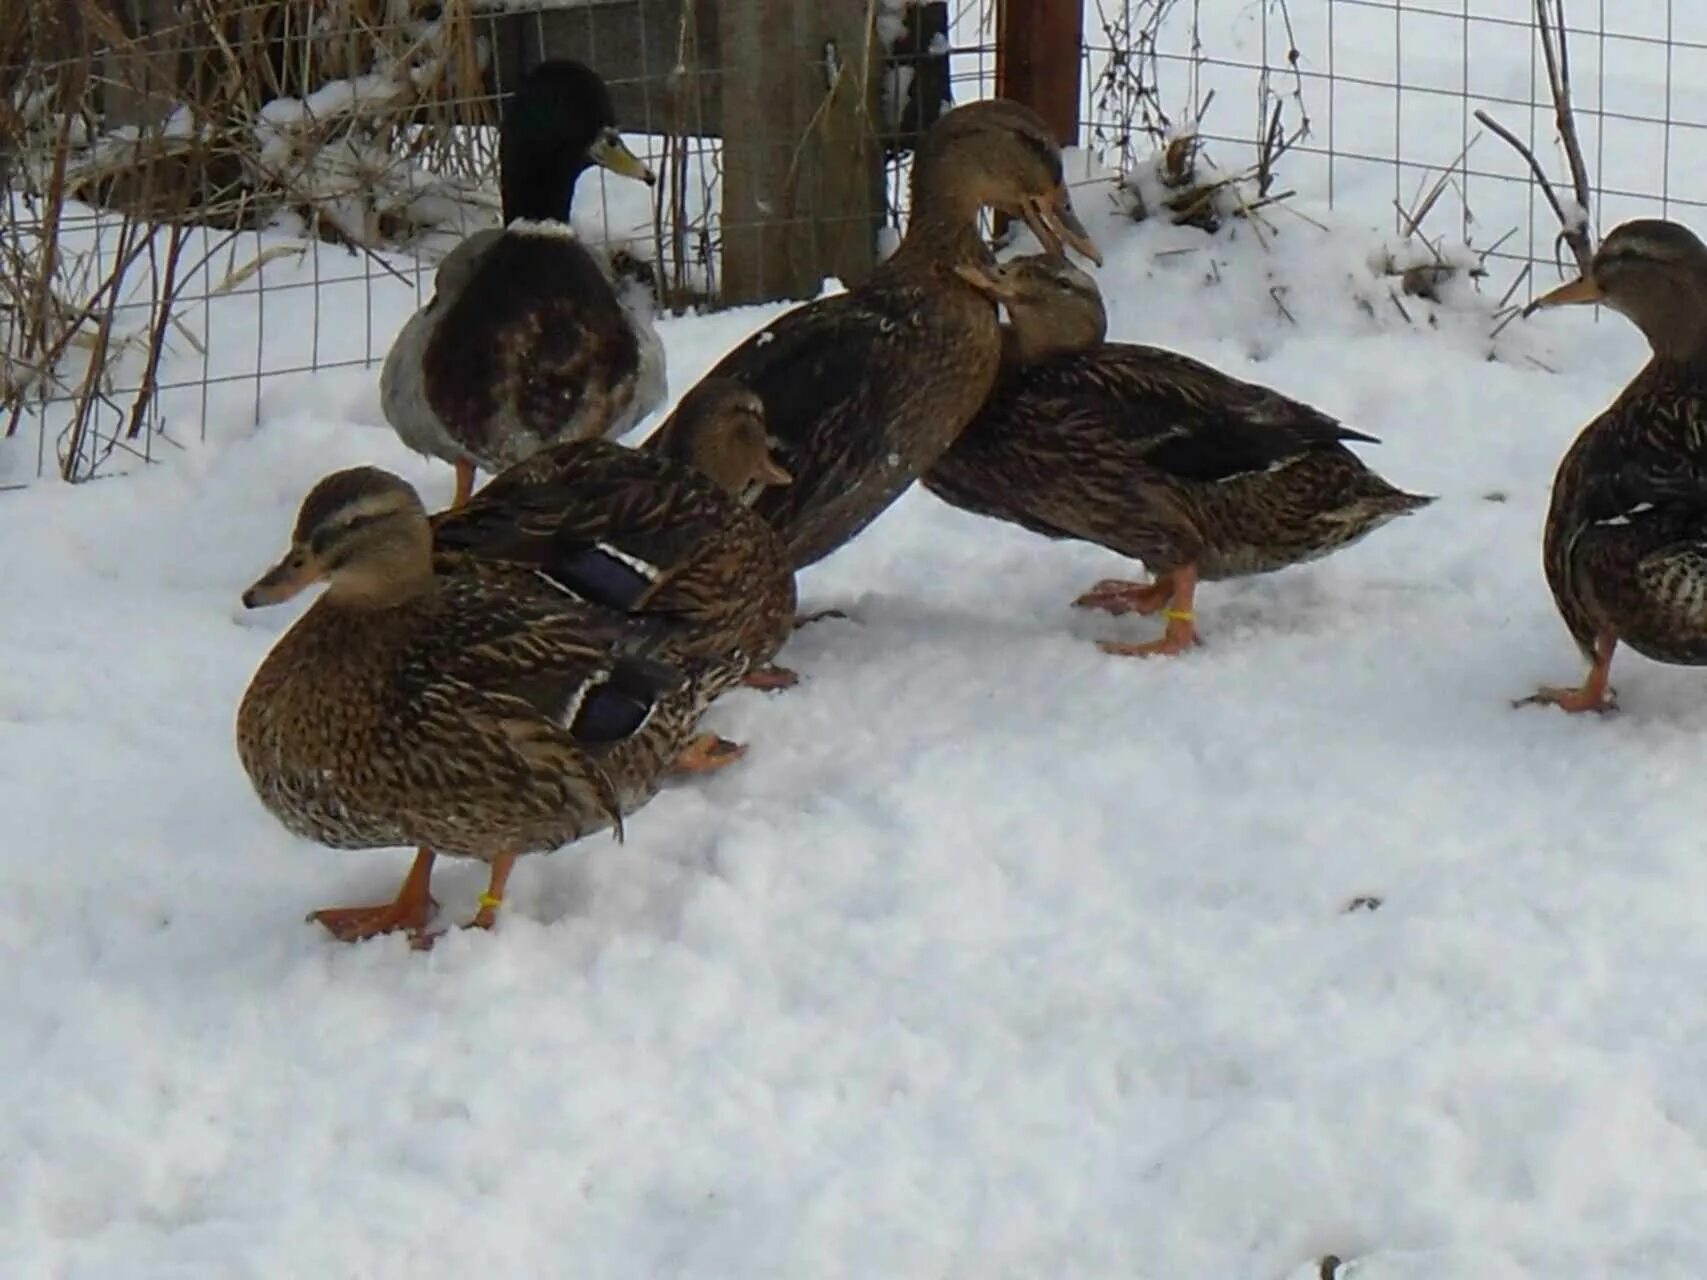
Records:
x=445, y=720
x=1625, y=543
x=476, y=708
x=1150, y=453
x=1164, y=459
x=643, y=534
x=863, y=391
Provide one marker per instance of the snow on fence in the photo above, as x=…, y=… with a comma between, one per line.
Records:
x=1394, y=110
x=168, y=165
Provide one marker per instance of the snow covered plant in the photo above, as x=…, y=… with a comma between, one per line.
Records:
x=358, y=115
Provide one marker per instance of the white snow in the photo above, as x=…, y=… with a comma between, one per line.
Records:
x=996, y=957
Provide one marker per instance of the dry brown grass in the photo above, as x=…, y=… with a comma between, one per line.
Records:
x=362, y=118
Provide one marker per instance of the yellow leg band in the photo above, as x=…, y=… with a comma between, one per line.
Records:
x=1178, y=615
x=487, y=900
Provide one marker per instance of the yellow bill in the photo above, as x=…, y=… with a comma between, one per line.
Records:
x=1583, y=289
x=611, y=152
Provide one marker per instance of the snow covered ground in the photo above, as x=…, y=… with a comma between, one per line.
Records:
x=997, y=957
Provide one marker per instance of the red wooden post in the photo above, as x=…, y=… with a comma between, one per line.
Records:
x=1037, y=59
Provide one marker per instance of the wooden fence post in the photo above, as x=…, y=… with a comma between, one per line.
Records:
x=802, y=166
x=1037, y=60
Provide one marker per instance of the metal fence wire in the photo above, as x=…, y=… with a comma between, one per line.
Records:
x=1377, y=106
x=207, y=204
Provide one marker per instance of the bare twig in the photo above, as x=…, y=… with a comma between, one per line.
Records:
x=1574, y=229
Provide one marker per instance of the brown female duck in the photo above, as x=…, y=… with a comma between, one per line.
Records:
x=527, y=339
x=466, y=706
x=1625, y=547
x=1153, y=455
x=511, y=675
x=863, y=391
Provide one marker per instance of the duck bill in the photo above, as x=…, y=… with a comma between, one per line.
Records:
x=609, y=151
x=285, y=579
x=1575, y=292
x=986, y=280
x=1053, y=222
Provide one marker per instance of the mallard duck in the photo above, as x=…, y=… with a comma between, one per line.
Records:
x=649, y=535
x=527, y=339
x=864, y=390
x=1625, y=547
x=464, y=705
x=1153, y=455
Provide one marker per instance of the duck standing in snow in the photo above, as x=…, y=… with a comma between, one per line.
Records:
x=527, y=340
x=1153, y=455
x=521, y=671
x=863, y=391
x=1625, y=546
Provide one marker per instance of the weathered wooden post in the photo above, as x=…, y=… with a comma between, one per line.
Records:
x=802, y=164
x=1037, y=60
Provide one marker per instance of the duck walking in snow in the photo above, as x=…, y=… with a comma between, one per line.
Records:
x=521, y=671
x=1625, y=547
x=1153, y=455
x=526, y=340
x=466, y=706
x=864, y=391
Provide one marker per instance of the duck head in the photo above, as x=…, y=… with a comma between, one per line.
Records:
x=363, y=532
x=1653, y=272
x=1052, y=305
x=558, y=124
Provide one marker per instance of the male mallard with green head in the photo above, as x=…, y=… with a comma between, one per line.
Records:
x=527, y=339
x=1625, y=547
x=1153, y=455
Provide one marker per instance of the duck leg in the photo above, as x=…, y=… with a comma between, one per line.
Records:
x=464, y=484
x=493, y=898
x=410, y=911
x=771, y=677
x=1181, y=633
x=1117, y=596
x=1594, y=694
x=706, y=753
x=490, y=901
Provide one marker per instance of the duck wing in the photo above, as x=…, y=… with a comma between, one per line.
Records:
x=603, y=521
x=1194, y=423
x=862, y=391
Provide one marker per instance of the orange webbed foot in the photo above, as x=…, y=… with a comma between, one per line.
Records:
x=1595, y=693
x=707, y=753
x=1171, y=643
x=356, y=924
x=771, y=678
x=409, y=912
x=1118, y=596
x=1573, y=701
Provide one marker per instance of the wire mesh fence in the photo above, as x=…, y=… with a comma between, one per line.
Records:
x=1377, y=106
x=206, y=204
